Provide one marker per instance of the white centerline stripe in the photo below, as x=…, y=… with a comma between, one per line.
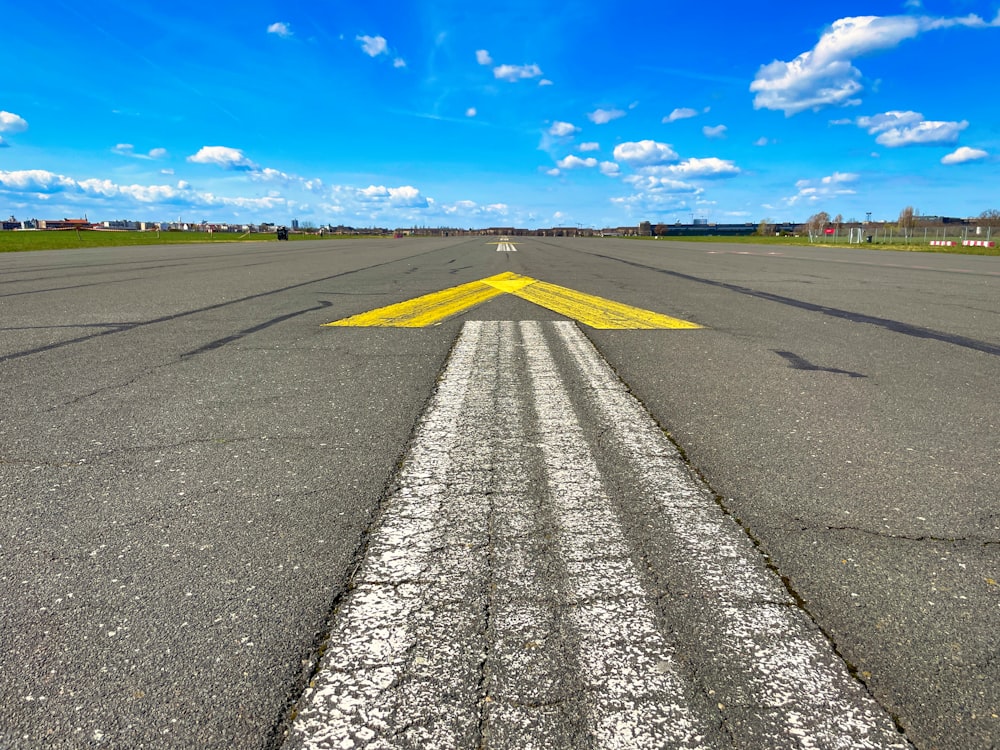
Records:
x=500, y=603
x=813, y=701
x=637, y=698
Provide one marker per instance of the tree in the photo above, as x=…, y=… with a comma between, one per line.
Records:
x=817, y=222
x=906, y=221
x=990, y=217
x=765, y=229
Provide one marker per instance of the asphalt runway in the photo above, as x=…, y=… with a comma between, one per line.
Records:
x=197, y=474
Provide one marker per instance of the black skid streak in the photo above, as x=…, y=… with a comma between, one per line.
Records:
x=888, y=324
x=186, y=313
x=218, y=343
x=801, y=363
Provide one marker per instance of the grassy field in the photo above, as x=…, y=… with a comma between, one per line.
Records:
x=68, y=240
x=914, y=247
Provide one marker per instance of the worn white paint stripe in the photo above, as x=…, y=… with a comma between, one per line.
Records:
x=808, y=697
x=636, y=697
x=418, y=559
x=506, y=247
x=420, y=655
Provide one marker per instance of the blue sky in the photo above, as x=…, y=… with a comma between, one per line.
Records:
x=532, y=114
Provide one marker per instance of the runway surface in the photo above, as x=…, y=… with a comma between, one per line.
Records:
x=524, y=513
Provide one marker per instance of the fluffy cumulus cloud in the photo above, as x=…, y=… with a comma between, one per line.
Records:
x=35, y=181
x=471, y=209
x=563, y=129
x=575, y=162
x=590, y=146
x=899, y=128
x=11, y=123
x=373, y=46
x=222, y=156
x=963, y=155
x=814, y=190
x=826, y=76
x=604, y=116
x=681, y=113
x=514, y=73
x=483, y=57
x=704, y=168
x=405, y=196
x=280, y=28
x=644, y=153
x=716, y=131
x=610, y=168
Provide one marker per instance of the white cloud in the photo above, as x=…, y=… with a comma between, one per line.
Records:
x=644, y=153
x=545, y=82
x=906, y=128
x=405, y=196
x=127, y=149
x=964, y=154
x=11, y=123
x=610, y=168
x=399, y=62
x=3, y=143
x=590, y=146
x=762, y=141
x=925, y=133
x=373, y=46
x=681, y=113
x=718, y=131
x=471, y=112
x=825, y=75
x=483, y=57
x=280, y=28
x=36, y=181
x=832, y=185
x=223, y=156
x=708, y=167
x=838, y=178
x=604, y=116
x=573, y=162
x=471, y=208
x=514, y=73
x=563, y=129
x=554, y=172
x=886, y=121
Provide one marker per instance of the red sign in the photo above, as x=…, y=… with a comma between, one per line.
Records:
x=829, y=230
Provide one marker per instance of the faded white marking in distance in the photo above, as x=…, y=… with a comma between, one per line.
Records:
x=635, y=695
x=810, y=699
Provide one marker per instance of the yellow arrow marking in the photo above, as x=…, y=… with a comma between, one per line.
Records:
x=426, y=310
x=595, y=312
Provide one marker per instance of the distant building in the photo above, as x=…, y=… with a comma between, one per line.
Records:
x=64, y=224
x=295, y=225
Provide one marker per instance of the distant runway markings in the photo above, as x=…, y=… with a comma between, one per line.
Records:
x=596, y=312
